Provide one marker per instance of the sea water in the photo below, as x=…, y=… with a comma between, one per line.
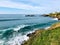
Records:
x=15, y=27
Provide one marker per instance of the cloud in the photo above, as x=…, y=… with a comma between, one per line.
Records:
x=20, y=5
x=44, y=6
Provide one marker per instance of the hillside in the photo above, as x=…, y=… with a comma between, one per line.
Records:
x=54, y=15
x=50, y=36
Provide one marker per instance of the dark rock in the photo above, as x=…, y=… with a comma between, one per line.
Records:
x=29, y=15
x=58, y=18
x=45, y=15
x=30, y=34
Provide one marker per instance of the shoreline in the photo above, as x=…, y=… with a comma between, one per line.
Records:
x=53, y=15
x=31, y=33
x=39, y=31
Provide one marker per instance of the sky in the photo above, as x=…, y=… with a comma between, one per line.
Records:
x=29, y=6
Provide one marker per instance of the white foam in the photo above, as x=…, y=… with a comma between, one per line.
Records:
x=19, y=27
x=55, y=18
x=5, y=29
x=47, y=27
x=1, y=42
x=18, y=40
x=30, y=32
x=15, y=29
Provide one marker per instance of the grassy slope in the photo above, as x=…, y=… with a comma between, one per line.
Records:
x=45, y=37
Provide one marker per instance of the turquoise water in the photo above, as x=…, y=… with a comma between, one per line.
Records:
x=15, y=27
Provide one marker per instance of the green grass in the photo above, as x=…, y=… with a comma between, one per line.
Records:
x=45, y=37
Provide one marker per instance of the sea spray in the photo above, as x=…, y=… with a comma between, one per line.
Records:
x=55, y=19
x=32, y=31
x=1, y=42
x=15, y=28
x=18, y=40
x=47, y=27
x=19, y=27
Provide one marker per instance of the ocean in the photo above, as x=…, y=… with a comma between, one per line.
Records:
x=15, y=27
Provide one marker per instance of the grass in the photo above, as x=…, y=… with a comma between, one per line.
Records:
x=45, y=37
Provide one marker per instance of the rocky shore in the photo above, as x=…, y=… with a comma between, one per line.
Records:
x=50, y=36
x=53, y=15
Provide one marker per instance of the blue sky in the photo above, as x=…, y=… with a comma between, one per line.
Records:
x=29, y=6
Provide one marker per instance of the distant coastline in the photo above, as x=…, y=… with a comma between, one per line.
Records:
x=53, y=15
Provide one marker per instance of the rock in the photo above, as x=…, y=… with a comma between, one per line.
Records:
x=45, y=15
x=58, y=18
x=29, y=15
x=30, y=34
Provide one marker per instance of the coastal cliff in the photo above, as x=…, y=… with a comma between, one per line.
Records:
x=51, y=36
x=53, y=15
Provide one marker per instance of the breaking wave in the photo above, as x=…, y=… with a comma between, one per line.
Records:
x=19, y=27
x=55, y=19
x=11, y=36
x=17, y=35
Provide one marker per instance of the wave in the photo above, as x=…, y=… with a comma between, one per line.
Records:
x=6, y=33
x=11, y=36
x=47, y=27
x=55, y=19
x=9, y=19
x=35, y=26
x=19, y=27
x=1, y=20
x=18, y=40
x=15, y=28
x=23, y=27
x=1, y=42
